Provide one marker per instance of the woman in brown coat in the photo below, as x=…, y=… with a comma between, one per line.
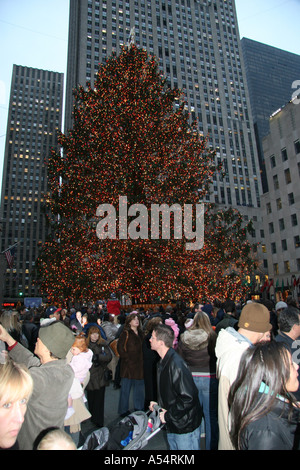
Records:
x=131, y=355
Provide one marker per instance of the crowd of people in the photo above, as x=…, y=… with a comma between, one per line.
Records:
x=224, y=370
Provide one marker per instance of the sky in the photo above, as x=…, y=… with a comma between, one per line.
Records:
x=34, y=33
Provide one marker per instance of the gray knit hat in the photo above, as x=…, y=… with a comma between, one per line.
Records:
x=57, y=337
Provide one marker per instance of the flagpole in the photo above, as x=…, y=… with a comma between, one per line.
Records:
x=12, y=246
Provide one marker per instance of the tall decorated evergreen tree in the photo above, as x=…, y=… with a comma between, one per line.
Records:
x=132, y=147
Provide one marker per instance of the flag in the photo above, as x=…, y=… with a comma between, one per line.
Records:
x=265, y=285
x=270, y=285
x=9, y=255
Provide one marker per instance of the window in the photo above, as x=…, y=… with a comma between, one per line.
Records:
x=297, y=146
x=291, y=199
x=271, y=227
x=281, y=224
x=297, y=241
x=276, y=182
x=275, y=267
x=287, y=175
x=279, y=203
x=284, y=155
x=273, y=247
x=273, y=161
x=286, y=266
x=284, y=245
x=294, y=220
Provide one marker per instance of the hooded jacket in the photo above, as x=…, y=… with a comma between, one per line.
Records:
x=178, y=394
x=230, y=347
x=194, y=349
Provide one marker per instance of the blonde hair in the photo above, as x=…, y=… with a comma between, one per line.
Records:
x=15, y=382
x=56, y=439
x=9, y=319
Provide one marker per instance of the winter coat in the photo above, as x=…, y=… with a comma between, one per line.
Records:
x=293, y=347
x=113, y=306
x=228, y=320
x=193, y=347
x=131, y=354
x=178, y=394
x=102, y=355
x=273, y=431
x=81, y=363
x=31, y=332
x=110, y=330
x=230, y=347
x=48, y=403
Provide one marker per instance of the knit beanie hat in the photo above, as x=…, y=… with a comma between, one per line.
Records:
x=57, y=337
x=255, y=317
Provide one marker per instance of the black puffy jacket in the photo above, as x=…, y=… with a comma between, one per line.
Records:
x=178, y=394
x=273, y=431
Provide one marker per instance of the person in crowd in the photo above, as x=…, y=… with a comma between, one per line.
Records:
x=130, y=348
x=9, y=319
x=151, y=359
x=94, y=320
x=51, y=314
x=170, y=322
x=264, y=414
x=109, y=326
x=76, y=323
x=81, y=362
x=177, y=393
x=253, y=326
x=16, y=387
x=197, y=348
x=113, y=305
x=30, y=330
x=280, y=306
x=289, y=333
x=95, y=388
x=229, y=318
x=54, y=439
x=111, y=330
x=52, y=378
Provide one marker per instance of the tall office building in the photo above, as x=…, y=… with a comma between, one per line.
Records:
x=34, y=117
x=281, y=203
x=271, y=73
x=198, y=47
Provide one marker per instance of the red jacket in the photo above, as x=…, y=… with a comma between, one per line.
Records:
x=113, y=307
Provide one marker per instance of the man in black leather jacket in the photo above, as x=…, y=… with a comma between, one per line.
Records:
x=177, y=393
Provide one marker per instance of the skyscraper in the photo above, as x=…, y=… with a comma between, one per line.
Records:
x=270, y=73
x=198, y=47
x=34, y=117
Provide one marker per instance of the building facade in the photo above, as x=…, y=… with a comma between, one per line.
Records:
x=34, y=117
x=281, y=204
x=272, y=74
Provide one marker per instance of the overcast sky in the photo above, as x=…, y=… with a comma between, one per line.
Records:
x=34, y=33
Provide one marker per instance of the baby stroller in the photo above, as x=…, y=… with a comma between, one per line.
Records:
x=132, y=433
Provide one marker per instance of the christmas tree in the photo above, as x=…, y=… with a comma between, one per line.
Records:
x=131, y=141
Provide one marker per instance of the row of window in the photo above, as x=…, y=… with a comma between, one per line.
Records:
x=284, y=155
